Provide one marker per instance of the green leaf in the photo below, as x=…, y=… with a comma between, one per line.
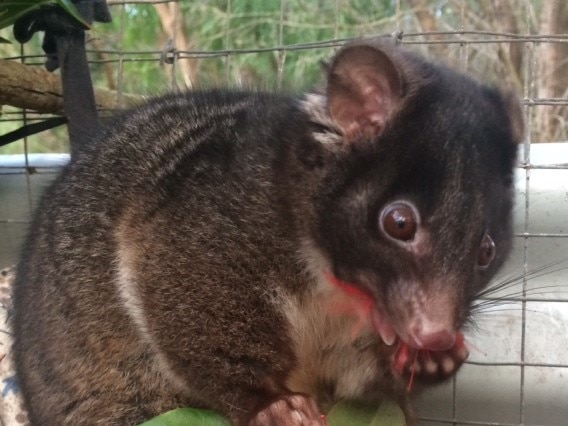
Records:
x=188, y=417
x=344, y=413
x=10, y=11
x=389, y=414
x=348, y=413
x=70, y=8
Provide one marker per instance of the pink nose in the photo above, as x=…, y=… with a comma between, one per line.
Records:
x=438, y=341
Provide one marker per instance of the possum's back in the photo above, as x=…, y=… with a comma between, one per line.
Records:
x=168, y=179
x=265, y=256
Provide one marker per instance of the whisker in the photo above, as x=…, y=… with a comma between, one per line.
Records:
x=512, y=297
x=491, y=303
x=490, y=313
x=516, y=297
x=519, y=309
x=517, y=279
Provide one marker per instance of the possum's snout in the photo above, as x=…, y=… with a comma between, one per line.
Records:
x=433, y=340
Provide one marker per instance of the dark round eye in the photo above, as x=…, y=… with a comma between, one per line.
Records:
x=399, y=221
x=486, y=251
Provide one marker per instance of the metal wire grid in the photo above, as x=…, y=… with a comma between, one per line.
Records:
x=461, y=37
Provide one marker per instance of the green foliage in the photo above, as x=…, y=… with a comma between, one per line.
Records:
x=188, y=417
x=234, y=35
x=126, y=53
x=347, y=413
x=264, y=24
x=133, y=28
x=10, y=11
x=344, y=413
x=266, y=43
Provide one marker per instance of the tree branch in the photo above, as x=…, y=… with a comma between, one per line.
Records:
x=34, y=88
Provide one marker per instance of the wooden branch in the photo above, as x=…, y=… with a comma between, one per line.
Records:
x=35, y=88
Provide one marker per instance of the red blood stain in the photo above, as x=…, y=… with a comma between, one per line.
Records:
x=361, y=308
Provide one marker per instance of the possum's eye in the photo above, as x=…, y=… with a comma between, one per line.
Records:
x=486, y=252
x=399, y=221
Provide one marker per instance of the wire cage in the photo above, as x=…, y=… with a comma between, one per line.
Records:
x=517, y=373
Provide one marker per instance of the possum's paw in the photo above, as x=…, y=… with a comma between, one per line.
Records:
x=290, y=410
x=424, y=366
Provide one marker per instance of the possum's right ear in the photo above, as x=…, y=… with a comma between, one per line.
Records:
x=364, y=90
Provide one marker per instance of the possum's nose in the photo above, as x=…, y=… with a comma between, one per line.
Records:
x=432, y=322
x=438, y=341
x=432, y=340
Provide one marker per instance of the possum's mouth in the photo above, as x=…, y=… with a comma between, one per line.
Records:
x=368, y=310
x=412, y=358
x=413, y=361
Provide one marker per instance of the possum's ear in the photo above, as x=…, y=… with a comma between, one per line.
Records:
x=364, y=90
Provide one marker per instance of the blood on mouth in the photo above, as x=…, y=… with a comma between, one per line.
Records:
x=407, y=359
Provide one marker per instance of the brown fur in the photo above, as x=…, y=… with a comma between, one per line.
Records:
x=181, y=259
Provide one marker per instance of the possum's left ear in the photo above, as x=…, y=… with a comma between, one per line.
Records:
x=364, y=90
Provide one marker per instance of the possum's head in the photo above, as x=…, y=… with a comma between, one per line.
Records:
x=416, y=209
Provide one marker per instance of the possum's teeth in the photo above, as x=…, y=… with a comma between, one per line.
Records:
x=389, y=339
x=383, y=327
x=430, y=366
x=448, y=365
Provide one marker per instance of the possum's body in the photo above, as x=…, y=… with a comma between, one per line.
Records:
x=188, y=257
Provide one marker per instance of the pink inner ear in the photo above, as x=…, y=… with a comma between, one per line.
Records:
x=377, y=107
x=364, y=91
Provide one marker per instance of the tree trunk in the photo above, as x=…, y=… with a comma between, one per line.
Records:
x=176, y=31
x=428, y=23
x=552, y=79
x=506, y=18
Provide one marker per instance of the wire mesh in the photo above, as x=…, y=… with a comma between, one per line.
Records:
x=533, y=374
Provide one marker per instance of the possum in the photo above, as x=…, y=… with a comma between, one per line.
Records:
x=266, y=255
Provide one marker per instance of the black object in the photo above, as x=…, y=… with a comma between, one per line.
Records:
x=64, y=45
x=32, y=129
